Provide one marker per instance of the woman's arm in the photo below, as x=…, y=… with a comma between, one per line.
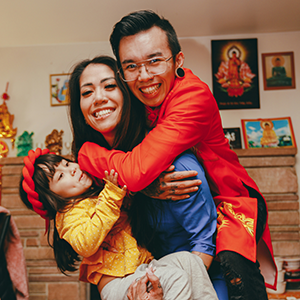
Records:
x=85, y=229
x=186, y=118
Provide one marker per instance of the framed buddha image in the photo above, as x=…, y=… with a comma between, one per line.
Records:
x=268, y=133
x=59, y=89
x=278, y=70
x=235, y=73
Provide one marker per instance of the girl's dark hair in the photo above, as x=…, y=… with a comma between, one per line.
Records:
x=130, y=130
x=139, y=21
x=66, y=258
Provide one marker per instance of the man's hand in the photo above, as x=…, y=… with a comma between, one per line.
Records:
x=172, y=185
x=138, y=289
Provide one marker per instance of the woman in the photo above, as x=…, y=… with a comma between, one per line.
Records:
x=97, y=116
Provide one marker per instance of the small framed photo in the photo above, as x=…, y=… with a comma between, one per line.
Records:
x=278, y=70
x=59, y=89
x=268, y=133
x=233, y=136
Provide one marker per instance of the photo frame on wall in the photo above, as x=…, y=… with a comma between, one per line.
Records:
x=235, y=73
x=233, y=136
x=268, y=133
x=278, y=70
x=59, y=89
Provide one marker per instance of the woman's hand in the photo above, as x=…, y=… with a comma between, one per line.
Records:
x=172, y=185
x=139, y=290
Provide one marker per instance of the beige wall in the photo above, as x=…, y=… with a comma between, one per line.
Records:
x=28, y=68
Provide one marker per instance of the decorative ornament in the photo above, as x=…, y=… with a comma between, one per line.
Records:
x=3, y=149
x=6, y=120
x=24, y=143
x=53, y=141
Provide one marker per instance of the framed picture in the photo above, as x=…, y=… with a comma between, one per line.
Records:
x=235, y=73
x=267, y=133
x=59, y=89
x=278, y=70
x=233, y=136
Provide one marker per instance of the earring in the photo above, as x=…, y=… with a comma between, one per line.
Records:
x=179, y=72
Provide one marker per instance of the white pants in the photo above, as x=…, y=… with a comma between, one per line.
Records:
x=182, y=276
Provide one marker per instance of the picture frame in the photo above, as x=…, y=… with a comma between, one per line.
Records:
x=235, y=73
x=59, y=89
x=268, y=133
x=233, y=136
x=278, y=70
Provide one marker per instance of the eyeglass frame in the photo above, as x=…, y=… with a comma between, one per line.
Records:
x=143, y=64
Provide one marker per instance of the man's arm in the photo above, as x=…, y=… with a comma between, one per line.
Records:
x=186, y=120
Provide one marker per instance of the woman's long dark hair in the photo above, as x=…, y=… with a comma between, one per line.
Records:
x=130, y=130
x=66, y=258
x=144, y=221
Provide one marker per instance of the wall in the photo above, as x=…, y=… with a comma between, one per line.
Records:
x=28, y=68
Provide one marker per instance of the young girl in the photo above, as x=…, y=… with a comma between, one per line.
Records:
x=89, y=221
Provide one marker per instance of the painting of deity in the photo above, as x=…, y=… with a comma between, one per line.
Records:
x=278, y=70
x=235, y=73
x=268, y=133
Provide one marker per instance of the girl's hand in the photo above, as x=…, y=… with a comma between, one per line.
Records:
x=113, y=178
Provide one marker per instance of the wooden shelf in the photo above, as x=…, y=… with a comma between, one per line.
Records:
x=265, y=152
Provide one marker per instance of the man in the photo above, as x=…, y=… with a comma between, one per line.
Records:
x=185, y=115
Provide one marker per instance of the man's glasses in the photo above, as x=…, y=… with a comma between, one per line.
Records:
x=154, y=66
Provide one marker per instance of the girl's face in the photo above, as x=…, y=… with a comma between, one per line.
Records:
x=69, y=181
x=101, y=99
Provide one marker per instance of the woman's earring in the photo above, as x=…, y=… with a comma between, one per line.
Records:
x=179, y=72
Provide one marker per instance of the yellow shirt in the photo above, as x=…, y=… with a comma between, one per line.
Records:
x=99, y=231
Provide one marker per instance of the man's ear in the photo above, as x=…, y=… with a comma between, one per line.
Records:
x=179, y=60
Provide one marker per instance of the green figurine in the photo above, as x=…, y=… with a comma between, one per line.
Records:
x=24, y=143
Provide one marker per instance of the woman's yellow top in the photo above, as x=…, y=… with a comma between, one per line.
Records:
x=98, y=230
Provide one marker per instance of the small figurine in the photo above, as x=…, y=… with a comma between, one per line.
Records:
x=53, y=141
x=24, y=143
x=6, y=120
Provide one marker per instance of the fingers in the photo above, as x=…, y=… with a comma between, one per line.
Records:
x=170, y=169
x=112, y=176
x=131, y=291
x=181, y=187
x=138, y=288
x=179, y=175
x=156, y=290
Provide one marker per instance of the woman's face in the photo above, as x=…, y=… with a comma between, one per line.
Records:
x=101, y=100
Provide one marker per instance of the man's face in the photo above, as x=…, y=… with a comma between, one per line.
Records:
x=149, y=89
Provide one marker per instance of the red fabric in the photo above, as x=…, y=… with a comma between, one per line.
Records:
x=188, y=117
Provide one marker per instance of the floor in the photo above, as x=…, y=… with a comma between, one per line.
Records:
x=288, y=295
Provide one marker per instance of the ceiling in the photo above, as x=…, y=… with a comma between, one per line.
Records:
x=41, y=22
